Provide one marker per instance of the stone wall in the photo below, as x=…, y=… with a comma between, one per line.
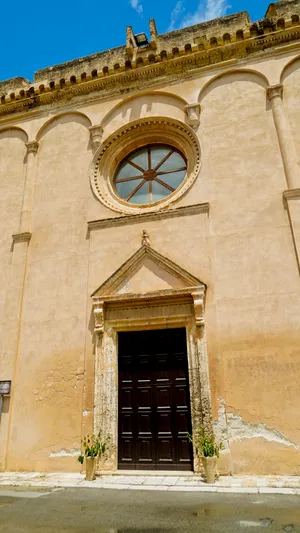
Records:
x=244, y=248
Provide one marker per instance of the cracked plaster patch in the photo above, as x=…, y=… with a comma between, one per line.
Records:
x=65, y=453
x=231, y=428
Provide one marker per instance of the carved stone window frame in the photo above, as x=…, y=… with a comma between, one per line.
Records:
x=119, y=145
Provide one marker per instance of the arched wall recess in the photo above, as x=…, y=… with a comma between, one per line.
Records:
x=74, y=116
x=14, y=131
x=290, y=68
x=235, y=75
x=136, y=107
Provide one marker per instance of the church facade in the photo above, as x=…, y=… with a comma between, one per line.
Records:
x=150, y=251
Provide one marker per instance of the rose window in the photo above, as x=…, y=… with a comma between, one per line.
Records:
x=150, y=174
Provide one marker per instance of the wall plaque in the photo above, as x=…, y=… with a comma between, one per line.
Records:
x=5, y=387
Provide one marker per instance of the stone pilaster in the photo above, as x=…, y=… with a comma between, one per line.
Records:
x=292, y=203
x=15, y=289
x=275, y=94
x=13, y=311
x=32, y=148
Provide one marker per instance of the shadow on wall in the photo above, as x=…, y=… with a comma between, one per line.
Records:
x=160, y=104
x=64, y=118
x=235, y=76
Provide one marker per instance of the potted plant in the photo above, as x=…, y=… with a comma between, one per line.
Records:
x=206, y=448
x=93, y=446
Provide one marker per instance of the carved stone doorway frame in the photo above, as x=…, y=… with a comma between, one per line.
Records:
x=160, y=309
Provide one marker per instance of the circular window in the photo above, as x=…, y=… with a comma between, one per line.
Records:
x=146, y=165
x=150, y=174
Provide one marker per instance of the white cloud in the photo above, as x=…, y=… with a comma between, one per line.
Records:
x=137, y=5
x=176, y=15
x=206, y=10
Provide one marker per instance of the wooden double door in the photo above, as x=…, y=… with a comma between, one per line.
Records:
x=154, y=401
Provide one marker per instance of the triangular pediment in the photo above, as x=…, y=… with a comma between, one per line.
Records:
x=147, y=271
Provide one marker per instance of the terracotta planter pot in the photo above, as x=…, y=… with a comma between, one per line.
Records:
x=90, y=468
x=210, y=468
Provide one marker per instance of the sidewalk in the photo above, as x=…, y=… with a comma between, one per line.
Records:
x=163, y=481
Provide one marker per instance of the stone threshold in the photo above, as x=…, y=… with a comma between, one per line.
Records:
x=151, y=473
x=285, y=485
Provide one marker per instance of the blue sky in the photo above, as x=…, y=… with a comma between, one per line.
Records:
x=35, y=35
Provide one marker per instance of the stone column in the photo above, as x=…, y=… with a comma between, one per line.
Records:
x=275, y=94
x=15, y=289
x=292, y=195
x=292, y=203
x=25, y=223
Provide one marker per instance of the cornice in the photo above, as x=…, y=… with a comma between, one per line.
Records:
x=177, y=65
x=147, y=217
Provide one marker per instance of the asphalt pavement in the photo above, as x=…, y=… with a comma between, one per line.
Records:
x=80, y=510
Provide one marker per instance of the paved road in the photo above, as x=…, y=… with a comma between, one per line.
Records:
x=29, y=510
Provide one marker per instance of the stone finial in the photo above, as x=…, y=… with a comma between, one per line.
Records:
x=193, y=115
x=130, y=42
x=275, y=91
x=32, y=147
x=145, y=238
x=96, y=135
x=153, y=34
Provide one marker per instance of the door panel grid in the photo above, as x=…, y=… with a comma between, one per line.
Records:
x=154, y=402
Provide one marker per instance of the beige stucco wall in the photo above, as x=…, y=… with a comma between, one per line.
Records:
x=243, y=250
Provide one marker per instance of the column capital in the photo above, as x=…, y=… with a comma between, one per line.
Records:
x=32, y=147
x=291, y=193
x=21, y=237
x=193, y=114
x=275, y=91
x=96, y=135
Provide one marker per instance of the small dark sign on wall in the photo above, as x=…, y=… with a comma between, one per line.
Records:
x=5, y=387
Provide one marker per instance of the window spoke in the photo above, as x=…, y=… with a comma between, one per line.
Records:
x=121, y=180
x=135, y=190
x=135, y=166
x=162, y=172
x=164, y=159
x=164, y=184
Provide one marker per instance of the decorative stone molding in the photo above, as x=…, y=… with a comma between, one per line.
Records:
x=275, y=91
x=198, y=298
x=21, y=237
x=193, y=115
x=183, y=53
x=135, y=135
x=116, y=311
x=96, y=135
x=292, y=193
x=285, y=138
x=32, y=147
x=188, y=210
x=99, y=316
x=145, y=238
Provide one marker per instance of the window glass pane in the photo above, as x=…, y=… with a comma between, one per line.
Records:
x=173, y=176
x=158, y=191
x=127, y=171
x=174, y=161
x=142, y=196
x=158, y=153
x=124, y=189
x=174, y=179
x=140, y=158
